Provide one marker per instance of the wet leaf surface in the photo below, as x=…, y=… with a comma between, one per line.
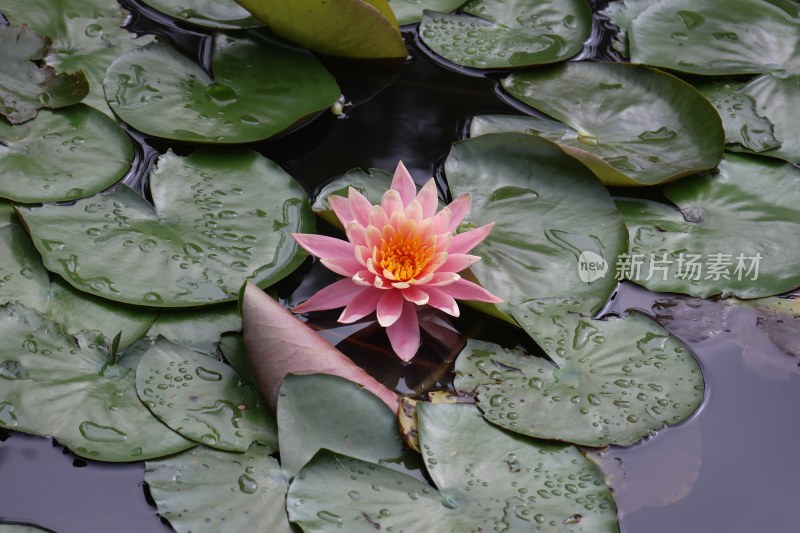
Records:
x=218, y=220
x=410, y=11
x=259, y=89
x=630, y=125
x=223, y=14
x=200, y=330
x=773, y=95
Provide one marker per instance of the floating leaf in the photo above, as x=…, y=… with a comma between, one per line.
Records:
x=25, y=86
x=203, y=399
x=486, y=478
x=199, y=330
x=774, y=94
x=740, y=119
x=548, y=210
x=410, y=11
x=324, y=411
x=259, y=89
x=62, y=155
x=621, y=13
x=223, y=14
x=218, y=220
x=279, y=344
x=509, y=34
x=714, y=242
x=73, y=389
x=364, y=29
x=629, y=124
x=86, y=37
x=614, y=381
x=205, y=491
x=697, y=37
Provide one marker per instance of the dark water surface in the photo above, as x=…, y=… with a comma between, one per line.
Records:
x=731, y=467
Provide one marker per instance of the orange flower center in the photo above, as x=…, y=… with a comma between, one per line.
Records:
x=405, y=256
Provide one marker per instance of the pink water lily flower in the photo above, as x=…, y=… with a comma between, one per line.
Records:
x=399, y=255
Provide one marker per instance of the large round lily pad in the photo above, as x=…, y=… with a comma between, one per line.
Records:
x=549, y=212
x=223, y=14
x=614, y=381
x=86, y=35
x=410, y=11
x=259, y=89
x=210, y=491
x=486, y=479
x=698, y=37
x=76, y=390
x=509, y=33
x=716, y=241
x=219, y=219
x=629, y=124
x=62, y=155
x=203, y=399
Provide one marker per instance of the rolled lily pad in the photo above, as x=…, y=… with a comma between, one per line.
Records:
x=363, y=29
x=203, y=399
x=86, y=36
x=509, y=34
x=629, y=124
x=62, y=155
x=80, y=392
x=25, y=86
x=323, y=411
x=210, y=491
x=713, y=241
x=218, y=220
x=410, y=11
x=200, y=330
x=697, y=37
x=486, y=479
x=223, y=14
x=259, y=89
x=744, y=126
x=614, y=381
x=773, y=95
x=549, y=212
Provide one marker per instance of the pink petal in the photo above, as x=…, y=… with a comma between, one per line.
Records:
x=335, y=295
x=435, y=263
x=441, y=221
x=392, y=202
x=363, y=254
x=428, y=198
x=458, y=210
x=440, y=279
x=373, y=237
x=414, y=211
x=356, y=234
x=359, y=206
x=404, y=334
x=441, y=300
x=344, y=266
x=359, y=307
x=364, y=277
x=458, y=262
x=464, y=242
x=341, y=207
x=416, y=296
x=404, y=184
x=466, y=290
x=322, y=246
x=377, y=217
x=390, y=306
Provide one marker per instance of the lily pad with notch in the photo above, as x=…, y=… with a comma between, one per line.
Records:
x=219, y=219
x=198, y=329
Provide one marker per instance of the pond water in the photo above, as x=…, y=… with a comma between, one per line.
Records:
x=731, y=467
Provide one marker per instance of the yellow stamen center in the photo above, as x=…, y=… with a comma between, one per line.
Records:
x=404, y=256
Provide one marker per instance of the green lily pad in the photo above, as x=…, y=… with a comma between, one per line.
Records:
x=323, y=411
x=713, y=241
x=203, y=399
x=25, y=86
x=548, y=210
x=199, y=330
x=62, y=155
x=259, y=89
x=209, y=491
x=410, y=11
x=614, y=381
x=509, y=34
x=621, y=13
x=363, y=29
x=744, y=127
x=486, y=479
x=17, y=528
x=76, y=390
x=697, y=37
x=219, y=219
x=86, y=36
x=629, y=124
x=222, y=14
x=773, y=95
